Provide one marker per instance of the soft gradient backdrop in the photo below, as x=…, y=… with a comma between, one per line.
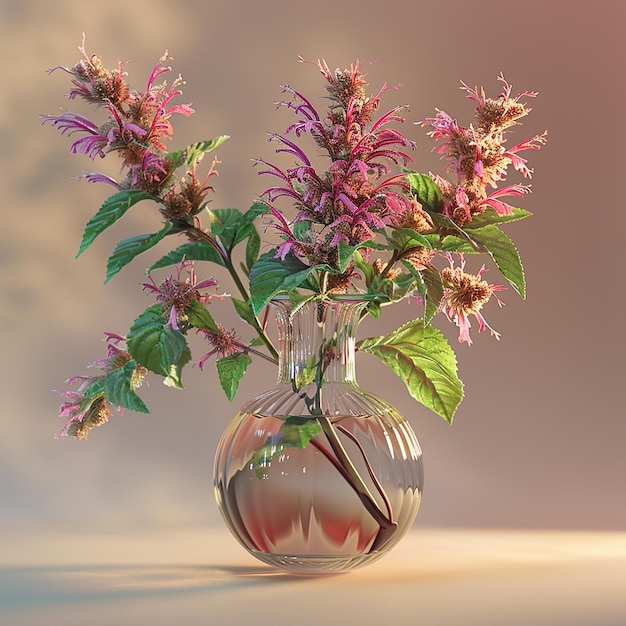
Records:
x=539, y=440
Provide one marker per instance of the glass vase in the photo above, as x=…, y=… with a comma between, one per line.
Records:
x=318, y=475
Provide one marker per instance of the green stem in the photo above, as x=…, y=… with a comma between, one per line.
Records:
x=256, y=325
x=323, y=282
x=365, y=495
x=196, y=234
x=347, y=467
x=248, y=349
x=395, y=257
x=370, y=470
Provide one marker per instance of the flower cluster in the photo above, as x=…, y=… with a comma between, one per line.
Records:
x=87, y=405
x=478, y=156
x=137, y=128
x=356, y=194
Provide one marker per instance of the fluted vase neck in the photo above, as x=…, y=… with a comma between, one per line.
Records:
x=317, y=340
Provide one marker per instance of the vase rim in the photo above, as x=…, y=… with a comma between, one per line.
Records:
x=339, y=297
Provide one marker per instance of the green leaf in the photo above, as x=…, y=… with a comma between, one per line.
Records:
x=446, y=228
x=298, y=300
x=197, y=150
x=153, y=343
x=174, y=378
x=405, y=238
x=270, y=276
x=244, y=310
x=295, y=432
x=374, y=309
x=345, y=254
x=504, y=254
x=426, y=190
x=428, y=282
x=452, y=243
x=364, y=267
x=252, y=249
x=94, y=390
x=111, y=210
x=255, y=210
x=491, y=217
x=176, y=158
x=118, y=388
x=199, y=317
x=230, y=369
x=424, y=360
x=434, y=292
x=127, y=249
x=196, y=251
x=232, y=226
x=301, y=228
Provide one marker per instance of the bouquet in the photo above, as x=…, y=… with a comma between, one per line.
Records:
x=362, y=223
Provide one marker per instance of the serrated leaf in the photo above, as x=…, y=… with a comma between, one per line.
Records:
x=430, y=287
x=127, y=249
x=256, y=209
x=196, y=151
x=301, y=229
x=407, y=238
x=153, y=343
x=244, y=310
x=426, y=190
x=491, y=217
x=298, y=300
x=230, y=369
x=196, y=251
x=174, y=378
x=232, y=226
x=199, y=317
x=270, y=276
x=112, y=209
x=434, y=292
x=445, y=225
x=424, y=360
x=345, y=254
x=505, y=255
x=119, y=390
x=451, y=243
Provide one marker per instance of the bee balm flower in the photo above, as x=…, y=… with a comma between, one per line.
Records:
x=464, y=295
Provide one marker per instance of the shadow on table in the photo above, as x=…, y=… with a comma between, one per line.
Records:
x=31, y=587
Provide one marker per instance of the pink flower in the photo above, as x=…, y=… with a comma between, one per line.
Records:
x=92, y=143
x=349, y=200
x=464, y=295
x=225, y=343
x=86, y=406
x=175, y=293
x=138, y=124
x=478, y=156
x=95, y=84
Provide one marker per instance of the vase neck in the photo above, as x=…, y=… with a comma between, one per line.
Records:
x=317, y=340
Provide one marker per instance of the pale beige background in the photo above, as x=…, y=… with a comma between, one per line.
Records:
x=539, y=440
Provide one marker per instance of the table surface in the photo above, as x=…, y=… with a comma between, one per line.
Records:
x=434, y=577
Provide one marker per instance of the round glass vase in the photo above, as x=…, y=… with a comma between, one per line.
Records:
x=318, y=475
